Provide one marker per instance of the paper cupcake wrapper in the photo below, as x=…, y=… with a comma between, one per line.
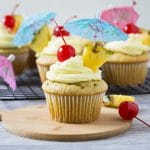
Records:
x=31, y=60
x=74, y=109
x=125, y=74
x=42, y=71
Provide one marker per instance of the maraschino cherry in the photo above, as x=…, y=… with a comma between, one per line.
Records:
x=59, y=30
x=129, y=110
x=131, y=28
x=9, y=20
x=65, y=51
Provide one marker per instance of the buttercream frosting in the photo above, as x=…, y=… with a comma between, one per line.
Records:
x=132, y=46
x=72, y=71
x=6, y=38
x=77, y=42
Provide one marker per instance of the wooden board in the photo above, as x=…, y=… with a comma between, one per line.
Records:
x=34, y=122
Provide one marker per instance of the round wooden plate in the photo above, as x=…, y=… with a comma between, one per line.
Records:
x=34, y=122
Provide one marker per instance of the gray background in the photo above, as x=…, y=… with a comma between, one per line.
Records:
x=82, y=8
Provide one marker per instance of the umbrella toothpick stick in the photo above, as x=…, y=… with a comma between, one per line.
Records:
x=148, y=125
x=15, y=8
x=133, y=4
x=72, y=17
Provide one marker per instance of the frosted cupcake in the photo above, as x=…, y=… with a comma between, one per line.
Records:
x=7, y=48
x=128, y=64
x=74, y=92
x=8, y=29
x=49, y=53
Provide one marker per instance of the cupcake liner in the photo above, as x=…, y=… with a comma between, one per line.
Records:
x=125, y=74
x=20, y=62
x=31, y=60
x=42, y=69
x=74, y=109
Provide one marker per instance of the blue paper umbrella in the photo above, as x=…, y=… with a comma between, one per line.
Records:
x=95, y=29
x=30, y=26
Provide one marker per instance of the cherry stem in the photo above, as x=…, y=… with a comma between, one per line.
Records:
x=15, y=8
x=148, y=125
x=72, y=17
x=59, y=31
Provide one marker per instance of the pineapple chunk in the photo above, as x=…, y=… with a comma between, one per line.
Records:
x=116, y=100
x=107, y=102
x=146, y=39
x=41, y=39
x=18, y=22
x=94, y=56
x=146, y=36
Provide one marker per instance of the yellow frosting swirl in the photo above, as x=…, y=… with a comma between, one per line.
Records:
x=6, y=38
x=77, y=42
x=72, y=71
x=132, y=46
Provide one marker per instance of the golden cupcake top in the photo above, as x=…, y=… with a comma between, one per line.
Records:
x=79, y=88
x=132, y=46
x=122, y=58
x=45, y=60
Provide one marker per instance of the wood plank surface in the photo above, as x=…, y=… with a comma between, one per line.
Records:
x=137, y=138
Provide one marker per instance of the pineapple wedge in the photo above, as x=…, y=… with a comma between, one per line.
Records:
x=41, y=39
x=94, y=56
x=146, y=39
x=18, y=21
x=116, y=100
x=146, y=36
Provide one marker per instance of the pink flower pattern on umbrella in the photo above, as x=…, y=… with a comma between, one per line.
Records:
x=120, y=16
x=7, y=72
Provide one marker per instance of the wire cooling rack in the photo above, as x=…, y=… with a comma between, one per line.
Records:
x=29, y=88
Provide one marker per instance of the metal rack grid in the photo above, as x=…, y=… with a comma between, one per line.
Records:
x=29, y=88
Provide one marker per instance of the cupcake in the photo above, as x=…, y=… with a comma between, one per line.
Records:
x=128, y=64
x=7, y=47
x=73, y=91
x=49, y=54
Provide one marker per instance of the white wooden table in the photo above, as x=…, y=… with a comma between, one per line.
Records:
x=138, y=138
